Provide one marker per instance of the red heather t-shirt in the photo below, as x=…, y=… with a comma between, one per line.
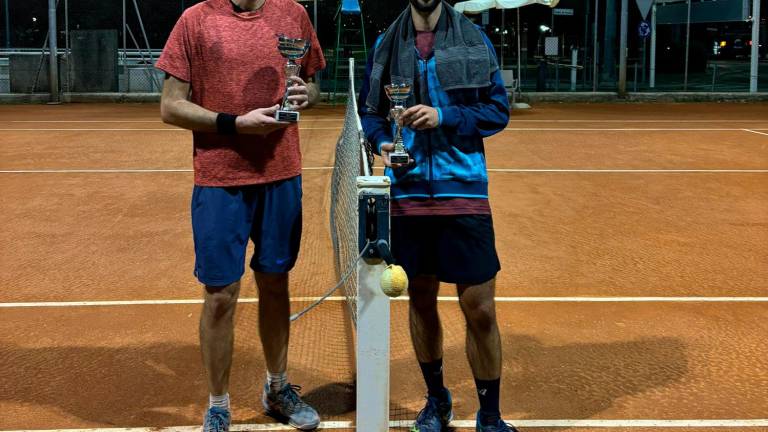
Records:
x=425, y=44
x=233, y=66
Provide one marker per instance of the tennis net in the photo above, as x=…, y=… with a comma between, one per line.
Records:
x=353, y=158
x=359, y=225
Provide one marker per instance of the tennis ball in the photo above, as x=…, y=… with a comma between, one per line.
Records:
x=394, y=281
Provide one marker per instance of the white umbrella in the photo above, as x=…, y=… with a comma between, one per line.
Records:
x=477, y=6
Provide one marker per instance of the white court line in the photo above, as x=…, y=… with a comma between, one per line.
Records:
x=755, y=132
x=29, y=305
x=339, y=128
x=637, y=121
x=721, y=423
x=137, y=121
x=328, y=168
x=122, y=171
x=629, y=171
x=341, y=119
x=82, y=121
x=168, y=129
x=624, y=129
x=96, y=171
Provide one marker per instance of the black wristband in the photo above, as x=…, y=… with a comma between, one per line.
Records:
x=225, y=124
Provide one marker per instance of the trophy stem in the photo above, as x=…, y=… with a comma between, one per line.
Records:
x=287, y=112
x=399, y=145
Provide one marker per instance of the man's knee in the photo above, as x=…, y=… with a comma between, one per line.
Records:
x=422, y=291
x=481, y=317
x=272, y=283
x=221, y=301
x=479, y=310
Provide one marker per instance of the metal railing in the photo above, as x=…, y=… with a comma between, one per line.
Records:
x=136, y=70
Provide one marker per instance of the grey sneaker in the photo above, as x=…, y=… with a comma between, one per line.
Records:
x=216, y=420
x=287, y=406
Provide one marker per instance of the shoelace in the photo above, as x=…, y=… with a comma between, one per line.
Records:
x=218, y=422
x=292, y=395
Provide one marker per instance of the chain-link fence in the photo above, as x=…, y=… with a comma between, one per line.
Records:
x=111, y=47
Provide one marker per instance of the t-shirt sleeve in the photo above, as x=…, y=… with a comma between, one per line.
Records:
x=175, y=59
x=314, y=61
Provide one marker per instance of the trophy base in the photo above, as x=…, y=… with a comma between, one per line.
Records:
x=399, y=158
x=287, y=116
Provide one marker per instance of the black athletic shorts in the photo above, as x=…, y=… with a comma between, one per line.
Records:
x=456, y=249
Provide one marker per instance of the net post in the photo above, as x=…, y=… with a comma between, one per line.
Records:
x=373, y=307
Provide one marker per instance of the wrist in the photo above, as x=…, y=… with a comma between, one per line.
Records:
x=226, y=124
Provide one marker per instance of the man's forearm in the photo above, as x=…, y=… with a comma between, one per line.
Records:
x=187, y=115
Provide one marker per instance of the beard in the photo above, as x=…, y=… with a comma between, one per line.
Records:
x=425, y=6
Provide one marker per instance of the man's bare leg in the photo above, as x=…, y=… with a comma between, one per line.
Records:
x=274, y=319
x=426, y=329
x=280, y=400
x=483, y=345
x=217, y=335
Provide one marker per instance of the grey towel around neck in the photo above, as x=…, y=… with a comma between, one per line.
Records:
x=462, y=58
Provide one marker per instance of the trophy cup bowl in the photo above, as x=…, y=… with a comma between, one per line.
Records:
x=398, y=93
x=292, y=49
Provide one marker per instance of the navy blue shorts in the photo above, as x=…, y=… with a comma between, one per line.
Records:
x=456, y=249
x=223, y=219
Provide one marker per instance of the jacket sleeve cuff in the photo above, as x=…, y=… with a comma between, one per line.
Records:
x=449, y=116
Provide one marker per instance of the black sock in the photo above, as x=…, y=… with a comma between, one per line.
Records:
x=488, y=393
x=433, y=376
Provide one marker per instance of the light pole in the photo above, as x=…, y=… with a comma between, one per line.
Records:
x=7, y=15
x=53, y=80
x=687, y=46
x=623, y=48
x=753, y=75
x=596, y=50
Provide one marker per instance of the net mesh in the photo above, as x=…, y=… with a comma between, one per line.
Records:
x=353, y=158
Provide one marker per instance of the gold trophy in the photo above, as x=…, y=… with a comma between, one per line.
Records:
x=292, y=49
x=398, y=93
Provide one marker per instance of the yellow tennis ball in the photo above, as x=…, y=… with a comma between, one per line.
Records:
x=394, y=281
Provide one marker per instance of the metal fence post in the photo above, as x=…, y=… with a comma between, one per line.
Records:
x=623, y=48
x=652, y=82
x=53, y=56
x=755, y=66
x=687, y=46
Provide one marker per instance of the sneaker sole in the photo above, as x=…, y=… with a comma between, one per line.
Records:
x=286, y=420
x=450, y=419
x=444, y=424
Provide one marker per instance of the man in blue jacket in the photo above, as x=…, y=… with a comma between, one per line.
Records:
x=441, y=219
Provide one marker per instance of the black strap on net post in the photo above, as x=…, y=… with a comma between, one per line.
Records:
x=373, y=214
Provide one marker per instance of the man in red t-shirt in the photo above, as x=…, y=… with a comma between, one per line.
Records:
x=225, y=79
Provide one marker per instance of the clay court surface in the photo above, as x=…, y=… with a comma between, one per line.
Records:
x=633, y=240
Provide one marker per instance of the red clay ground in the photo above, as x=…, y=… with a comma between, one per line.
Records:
x=610, y=231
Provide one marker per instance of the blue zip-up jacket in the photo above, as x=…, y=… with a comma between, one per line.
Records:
x=449, y=161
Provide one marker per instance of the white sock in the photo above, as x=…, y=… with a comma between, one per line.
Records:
x=276, y=381
x=219, y=401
